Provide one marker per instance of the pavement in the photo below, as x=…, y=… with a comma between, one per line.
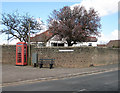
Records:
x=15, y=75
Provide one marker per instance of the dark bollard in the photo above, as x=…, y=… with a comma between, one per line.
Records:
x=51, y=66
x=41, y=65
x=35, y=65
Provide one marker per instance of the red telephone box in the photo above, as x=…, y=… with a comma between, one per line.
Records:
x=21, y=53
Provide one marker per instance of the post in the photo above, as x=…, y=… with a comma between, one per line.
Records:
x=29, y=56
x=8, y=38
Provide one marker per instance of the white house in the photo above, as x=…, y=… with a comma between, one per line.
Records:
x=54, y=41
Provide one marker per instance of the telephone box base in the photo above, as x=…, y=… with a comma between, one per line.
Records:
x=20, y=65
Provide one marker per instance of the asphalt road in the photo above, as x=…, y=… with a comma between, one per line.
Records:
x=106, y=81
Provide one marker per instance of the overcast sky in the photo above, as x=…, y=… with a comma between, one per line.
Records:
x=107, y=9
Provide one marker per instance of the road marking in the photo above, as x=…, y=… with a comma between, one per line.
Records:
x=83, y=90
x=80, y=90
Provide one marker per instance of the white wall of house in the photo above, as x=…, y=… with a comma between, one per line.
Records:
x=49, y=43
x=85, y=44
x=55, y=39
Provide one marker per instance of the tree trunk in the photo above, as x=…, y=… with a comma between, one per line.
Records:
x=69, y=43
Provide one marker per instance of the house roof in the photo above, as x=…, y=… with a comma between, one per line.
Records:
x=41, y=37
x=47, y=35
x=92, y=39
x=115, y=43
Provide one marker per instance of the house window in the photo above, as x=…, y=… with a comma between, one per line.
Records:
x=60, y=44
x=41, y=44
x=57, y=44
x=53, y=44
x=90, y=44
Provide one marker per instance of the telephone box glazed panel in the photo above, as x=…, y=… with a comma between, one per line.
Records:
x=21, y=53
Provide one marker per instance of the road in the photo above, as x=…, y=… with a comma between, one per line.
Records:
x=106, y=81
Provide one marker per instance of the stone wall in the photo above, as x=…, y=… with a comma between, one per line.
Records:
x=0, y=54
x=9, y=54
x=76, y=57
x=80, y=56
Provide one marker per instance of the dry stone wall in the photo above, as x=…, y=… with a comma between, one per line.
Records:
x=79, y=56
x=75, y=57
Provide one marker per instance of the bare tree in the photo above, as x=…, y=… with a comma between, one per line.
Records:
x=75, y=25
x=17, y=26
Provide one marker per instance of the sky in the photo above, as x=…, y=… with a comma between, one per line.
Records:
x=108, y=11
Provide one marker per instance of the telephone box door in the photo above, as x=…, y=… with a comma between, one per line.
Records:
x=21, y=53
